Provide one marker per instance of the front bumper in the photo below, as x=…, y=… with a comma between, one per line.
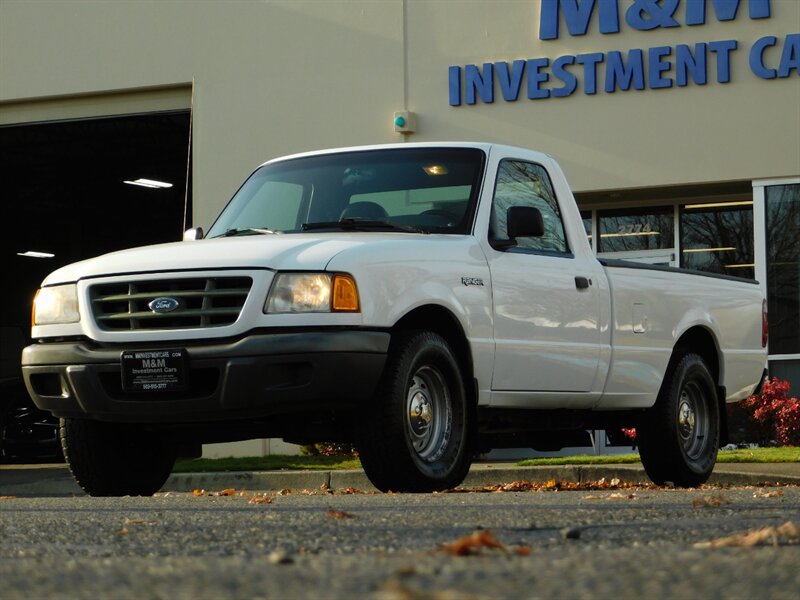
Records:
x=259, y=375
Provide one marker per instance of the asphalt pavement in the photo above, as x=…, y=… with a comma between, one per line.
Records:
x=56, y=480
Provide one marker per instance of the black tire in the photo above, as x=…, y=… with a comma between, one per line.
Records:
x=679, y=438
x=109, y=459
x=413, y=436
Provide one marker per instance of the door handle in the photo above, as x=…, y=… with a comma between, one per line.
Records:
x=582, y=283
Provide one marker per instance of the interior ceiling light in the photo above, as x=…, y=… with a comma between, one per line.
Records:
x=608, y=235
x=149, y=183
x=687, y=250
x=435, y=170
x=718, y=204
x=35, y=254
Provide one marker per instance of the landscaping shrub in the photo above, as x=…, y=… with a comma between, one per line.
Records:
x=774, y=415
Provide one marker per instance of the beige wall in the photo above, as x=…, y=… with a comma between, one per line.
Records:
x=275, y=77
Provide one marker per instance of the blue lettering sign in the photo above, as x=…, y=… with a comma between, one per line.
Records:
x=510, y=82
x=690, y=65
x=590, y=62
x=723, y=51
x=657, y=66
x=644, y=15
x=725, y=10
x=480, y=82
x=622, y=74
x=536, y=78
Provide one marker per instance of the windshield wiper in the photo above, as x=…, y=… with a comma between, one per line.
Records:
x=361, y=225
x=243, y=230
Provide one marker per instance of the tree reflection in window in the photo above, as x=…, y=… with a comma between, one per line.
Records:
x=718, y=239
x=783, y=268
x=527, y=184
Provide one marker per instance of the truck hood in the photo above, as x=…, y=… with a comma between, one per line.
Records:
x=301, y=251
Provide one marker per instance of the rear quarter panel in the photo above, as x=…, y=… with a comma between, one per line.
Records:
x=652, y=309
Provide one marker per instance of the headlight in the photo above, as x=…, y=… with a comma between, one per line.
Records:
x=57, y=304
x=312, y=292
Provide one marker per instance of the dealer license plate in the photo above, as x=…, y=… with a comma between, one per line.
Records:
x=154, y=370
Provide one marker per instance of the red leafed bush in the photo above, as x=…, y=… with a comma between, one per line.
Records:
x=776, y=413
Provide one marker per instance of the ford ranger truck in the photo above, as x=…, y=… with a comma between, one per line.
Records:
x=425, y=301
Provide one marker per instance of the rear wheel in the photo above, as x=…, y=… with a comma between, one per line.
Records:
x=110, y=459
x=679, y=438
x=413, y=435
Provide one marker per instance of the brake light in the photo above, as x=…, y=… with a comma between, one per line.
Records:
x=764, y=324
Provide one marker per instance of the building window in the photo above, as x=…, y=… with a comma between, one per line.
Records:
x=783, y=267
x=629, y=229
x=718, y=238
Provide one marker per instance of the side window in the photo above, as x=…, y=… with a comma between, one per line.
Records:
x=527, y=184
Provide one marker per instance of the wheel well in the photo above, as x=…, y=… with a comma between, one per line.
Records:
x=440, y=320
x=699, y=340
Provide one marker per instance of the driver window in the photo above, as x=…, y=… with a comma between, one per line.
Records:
x=527, y=184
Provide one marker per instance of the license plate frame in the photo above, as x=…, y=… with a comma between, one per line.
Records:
x=149, y=371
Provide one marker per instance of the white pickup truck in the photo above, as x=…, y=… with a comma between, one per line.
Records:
x=425, y=301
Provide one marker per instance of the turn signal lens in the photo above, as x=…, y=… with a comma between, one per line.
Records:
x=345, y=294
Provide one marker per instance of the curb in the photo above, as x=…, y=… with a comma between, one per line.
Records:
x=477, y=477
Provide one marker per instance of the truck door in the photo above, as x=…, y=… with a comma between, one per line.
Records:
x=546, y=304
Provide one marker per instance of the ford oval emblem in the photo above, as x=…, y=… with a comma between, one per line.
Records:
x=164, y=304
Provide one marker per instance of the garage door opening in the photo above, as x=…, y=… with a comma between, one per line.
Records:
x=75, y=189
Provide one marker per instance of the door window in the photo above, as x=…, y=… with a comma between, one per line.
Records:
x=527, y=184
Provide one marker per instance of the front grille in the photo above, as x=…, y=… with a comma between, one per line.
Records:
x=202, y=302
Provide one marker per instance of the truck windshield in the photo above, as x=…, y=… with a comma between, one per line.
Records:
x=429, y=190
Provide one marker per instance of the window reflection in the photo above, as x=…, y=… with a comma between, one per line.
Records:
x=636, y=229
x=783, y=268
x=718, y=239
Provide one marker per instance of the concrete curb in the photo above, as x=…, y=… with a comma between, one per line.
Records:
x=56, y=480
x=479, y=475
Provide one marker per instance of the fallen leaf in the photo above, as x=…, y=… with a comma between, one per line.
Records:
x=128, y=521
x=123, y=531
x=7, y=497
x=196, y=492
x=228, y=492
x=338, y=514
x=619, y=496
x=592, y=498
x=472, y=544
x=284, y=492
x=615, y=482
x=772, y=494
x=712, y=501
x=260, y=499
x=757, y=537
x=348, y=491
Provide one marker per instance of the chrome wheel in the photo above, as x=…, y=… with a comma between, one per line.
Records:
x=429, y=419
x=693, y=422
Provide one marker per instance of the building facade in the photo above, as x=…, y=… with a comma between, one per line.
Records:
x=677, y=122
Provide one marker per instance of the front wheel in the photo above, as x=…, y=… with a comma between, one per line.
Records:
x=110, y=459
x=679, y=438
x=413, y=436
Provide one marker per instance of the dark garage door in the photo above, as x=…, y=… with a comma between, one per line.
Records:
x=62, y=193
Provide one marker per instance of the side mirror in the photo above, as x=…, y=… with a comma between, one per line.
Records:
x=196, y=233
x=524, y=221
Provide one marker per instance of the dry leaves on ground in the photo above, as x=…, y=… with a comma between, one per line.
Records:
x=714, y=501
x=7, y=497
x=475, y=543
x=788, y=532
x=338, y=514
x=770, y=494
x=197, y=493
x=261, y=499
